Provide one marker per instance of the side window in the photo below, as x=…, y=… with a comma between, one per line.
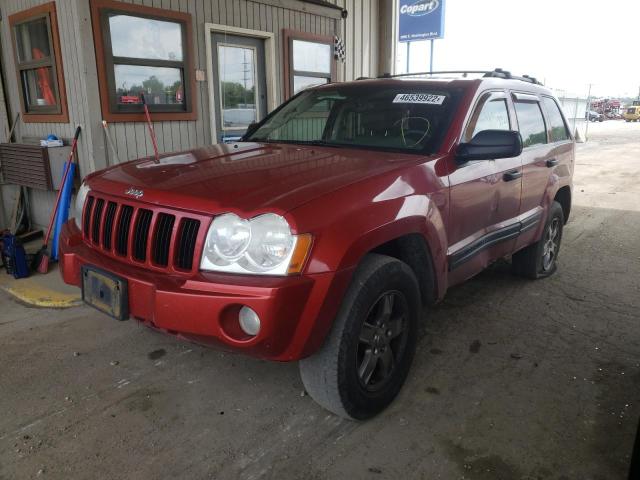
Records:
x=559, y=130
x=489, y=115
x=38, y=63
x=531, y=122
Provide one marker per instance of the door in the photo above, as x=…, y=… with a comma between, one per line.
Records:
x=484, y=197
x=240, y=86
x=535, y=166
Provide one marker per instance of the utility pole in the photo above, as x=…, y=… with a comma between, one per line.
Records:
x=431, y=57
x=586, y=130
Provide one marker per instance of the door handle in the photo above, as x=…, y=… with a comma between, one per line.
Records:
x=552, y=162
x=512, y=175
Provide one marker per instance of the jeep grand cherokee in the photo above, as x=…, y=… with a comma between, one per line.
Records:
x=322, y=236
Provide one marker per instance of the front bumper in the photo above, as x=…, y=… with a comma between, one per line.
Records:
x=296, y=312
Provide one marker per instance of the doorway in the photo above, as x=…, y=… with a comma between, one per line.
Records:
x=240, y=64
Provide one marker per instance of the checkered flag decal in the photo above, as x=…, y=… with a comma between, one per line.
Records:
x=339, y=51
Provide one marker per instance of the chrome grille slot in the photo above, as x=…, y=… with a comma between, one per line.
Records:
x=186, y=243
x=162, y=239
x=122, y=230
x=97, y=220
x=141, y=234
x=86, y=220
x=109, y=217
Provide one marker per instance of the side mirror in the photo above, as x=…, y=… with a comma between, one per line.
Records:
x=490, y=145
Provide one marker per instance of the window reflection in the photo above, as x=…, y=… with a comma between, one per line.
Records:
x=37, y=85
x=531, y=123
x=137, y=37
x=160, y=85
x=237, y=73
x=32, y=40
x=311, y=56
x=301, y=82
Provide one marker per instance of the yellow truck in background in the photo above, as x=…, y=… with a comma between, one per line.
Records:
x=632, y=113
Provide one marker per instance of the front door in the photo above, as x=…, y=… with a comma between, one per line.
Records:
x=484, y=197
x=240, y=87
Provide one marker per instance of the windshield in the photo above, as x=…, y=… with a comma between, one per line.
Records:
x=394, y=118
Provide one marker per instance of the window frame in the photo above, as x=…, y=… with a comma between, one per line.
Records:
x=41, y=114
x=106, y=61
x=289, y=72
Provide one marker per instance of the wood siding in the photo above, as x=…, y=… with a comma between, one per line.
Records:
x=5, y=123
x=361, y=36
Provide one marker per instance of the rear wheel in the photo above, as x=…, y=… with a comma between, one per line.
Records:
x=539, y=259
x=367, y=355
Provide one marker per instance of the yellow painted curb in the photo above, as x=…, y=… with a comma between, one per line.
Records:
x=31, y=293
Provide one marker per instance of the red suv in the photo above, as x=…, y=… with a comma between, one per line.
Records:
x=322, y=235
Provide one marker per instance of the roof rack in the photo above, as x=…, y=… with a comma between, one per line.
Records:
x=496, y=73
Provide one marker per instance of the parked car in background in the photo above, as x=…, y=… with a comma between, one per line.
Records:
x=594, y=116
x=323, y=234
x=632, y=114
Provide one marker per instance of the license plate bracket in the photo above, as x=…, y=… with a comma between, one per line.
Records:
x=105, y=291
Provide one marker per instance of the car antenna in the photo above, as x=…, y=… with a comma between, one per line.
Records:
x=152, y=133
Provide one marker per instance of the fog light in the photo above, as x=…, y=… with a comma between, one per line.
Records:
x=249, y=321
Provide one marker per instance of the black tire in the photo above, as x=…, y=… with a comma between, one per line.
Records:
x=337, y=376
x=538, y=260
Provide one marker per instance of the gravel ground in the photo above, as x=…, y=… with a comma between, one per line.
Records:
x=513, y=379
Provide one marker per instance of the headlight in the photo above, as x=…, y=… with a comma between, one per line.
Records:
x=81, y=196
x=228, y=239
x=263, y=245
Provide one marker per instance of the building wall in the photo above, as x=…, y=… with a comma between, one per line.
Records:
x=4, y=119
x=359, y=31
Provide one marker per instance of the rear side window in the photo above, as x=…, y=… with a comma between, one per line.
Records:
x=531, y=123
x=489, y=115
x=559, y=130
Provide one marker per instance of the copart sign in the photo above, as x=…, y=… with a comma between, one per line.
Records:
x=421, y=20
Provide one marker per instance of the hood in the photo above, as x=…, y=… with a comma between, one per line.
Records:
x=246, y=178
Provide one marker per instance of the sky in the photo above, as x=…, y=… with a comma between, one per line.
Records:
x=567, y=44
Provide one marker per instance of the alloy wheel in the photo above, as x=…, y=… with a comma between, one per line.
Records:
x=382, y=340
x=551, y=244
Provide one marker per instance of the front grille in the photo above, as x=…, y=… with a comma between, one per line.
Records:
x=130, y=231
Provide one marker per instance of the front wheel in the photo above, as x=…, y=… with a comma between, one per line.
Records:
x=367, y=355
x=539, y=259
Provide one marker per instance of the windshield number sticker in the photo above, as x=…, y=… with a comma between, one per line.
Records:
x=426, y=98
